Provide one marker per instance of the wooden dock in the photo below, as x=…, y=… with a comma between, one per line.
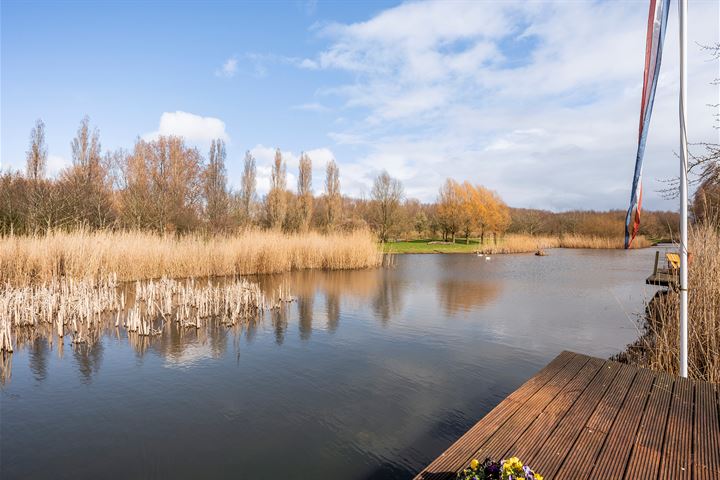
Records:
x=583, y=417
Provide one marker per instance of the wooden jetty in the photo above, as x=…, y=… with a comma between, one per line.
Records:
x=583, y=417
x=664, y=277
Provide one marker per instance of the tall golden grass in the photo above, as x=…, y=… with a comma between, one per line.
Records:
x=520, y=243
x=658, y=348
x=137, y=255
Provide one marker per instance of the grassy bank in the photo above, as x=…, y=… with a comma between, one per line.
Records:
x=511, y=243
x=137, y=255
x=658, y=346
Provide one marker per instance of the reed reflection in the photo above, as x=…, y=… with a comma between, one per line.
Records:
x=186, y=343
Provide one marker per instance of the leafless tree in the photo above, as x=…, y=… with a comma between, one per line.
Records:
x=37, y=152
x=247, y=187
x=276, y=201
x=333, y=202
x=305, y=196
x=387, y=193
x=215, y=187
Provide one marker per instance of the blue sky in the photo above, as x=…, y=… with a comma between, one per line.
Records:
x=538, y=101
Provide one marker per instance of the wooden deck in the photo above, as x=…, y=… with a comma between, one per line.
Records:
x=583, y=417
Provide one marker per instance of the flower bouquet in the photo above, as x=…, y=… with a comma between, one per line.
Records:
x=510, y=469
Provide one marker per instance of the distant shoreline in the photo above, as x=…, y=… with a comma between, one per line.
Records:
x=511, y=243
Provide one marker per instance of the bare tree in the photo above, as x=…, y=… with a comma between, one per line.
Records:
x=86, y=150
x=86, y=184
x=163, y=185
x=333, y=202
x=215, y=187
x=37, y=152
x=305, y=196
x=247, y=186
x=387, y=193
x=276, y=201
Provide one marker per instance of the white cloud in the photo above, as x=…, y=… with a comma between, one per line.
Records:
x=193, y=128
x=228, y=69
x=55, y=164
x=537, y=101
x=311, y=107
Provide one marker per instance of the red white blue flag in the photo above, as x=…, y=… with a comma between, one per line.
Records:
x=657, y=24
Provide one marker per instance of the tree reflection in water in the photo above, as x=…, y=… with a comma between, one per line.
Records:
x=380, y=289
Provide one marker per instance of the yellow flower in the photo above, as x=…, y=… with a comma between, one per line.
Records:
x=513, y=466
x=474, y=463
x=538, y=476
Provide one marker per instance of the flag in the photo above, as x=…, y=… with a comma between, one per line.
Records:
x=657, y=24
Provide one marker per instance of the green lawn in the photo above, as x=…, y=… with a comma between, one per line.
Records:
x=423, y=246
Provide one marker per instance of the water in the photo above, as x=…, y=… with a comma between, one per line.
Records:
x=370, y=374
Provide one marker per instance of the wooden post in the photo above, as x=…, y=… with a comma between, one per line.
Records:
x=657, y=258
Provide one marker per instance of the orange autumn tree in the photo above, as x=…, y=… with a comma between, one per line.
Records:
x=471, y=209
x=448, y=209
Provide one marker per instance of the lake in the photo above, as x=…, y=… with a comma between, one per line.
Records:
x=369, y=374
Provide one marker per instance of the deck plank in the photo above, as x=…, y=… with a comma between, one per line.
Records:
x=506, y=435
x=676, y=456
x=550, y=456
x=581, y=459
x=458, y=453
x=644, y=461
x=583, y=417
x=613, y=458
x=706, y=437
x=538, y=432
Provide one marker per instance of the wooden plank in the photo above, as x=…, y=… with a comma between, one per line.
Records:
x=676, y=456
x=506, y=435
x=706, y=435
x=536, y=435
x=583, y=417
x=581, y=459
x=550, y=456
x=459, y=453
x=613, y=458
x=647, y=449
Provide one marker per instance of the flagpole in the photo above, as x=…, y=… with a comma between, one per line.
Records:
x=682, y=17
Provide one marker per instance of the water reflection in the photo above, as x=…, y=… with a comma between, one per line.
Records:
x=463, y=296
x=363, y=371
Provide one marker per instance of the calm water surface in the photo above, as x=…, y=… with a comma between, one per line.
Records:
x=370, y=374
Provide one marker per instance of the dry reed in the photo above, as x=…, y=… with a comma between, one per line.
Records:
x=518, y=243
x=658, y=348
x=136, y=255
x=84, y=308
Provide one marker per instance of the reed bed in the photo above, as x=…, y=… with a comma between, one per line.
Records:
x=134, y=255
x=658, y=347
x=517, y=243
x=85, y=308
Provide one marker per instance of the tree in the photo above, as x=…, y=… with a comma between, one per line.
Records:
x=448, y=209
x=215, y=187
x=247, y=186
x=86, y=150
x=276, y=200
x=37, y=152
x=333, y=202
x=387, y=193
x=86, y=184
x=499, y=216
x=420, y=222
x=163, y=185
x=305, y=196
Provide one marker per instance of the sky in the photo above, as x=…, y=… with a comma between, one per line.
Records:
x=536, y=100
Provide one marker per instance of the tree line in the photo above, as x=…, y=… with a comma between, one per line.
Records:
x=165, y=185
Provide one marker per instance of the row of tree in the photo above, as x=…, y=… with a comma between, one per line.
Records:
x=166, y=185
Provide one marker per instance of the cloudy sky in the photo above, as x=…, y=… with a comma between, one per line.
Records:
x=539, y=101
